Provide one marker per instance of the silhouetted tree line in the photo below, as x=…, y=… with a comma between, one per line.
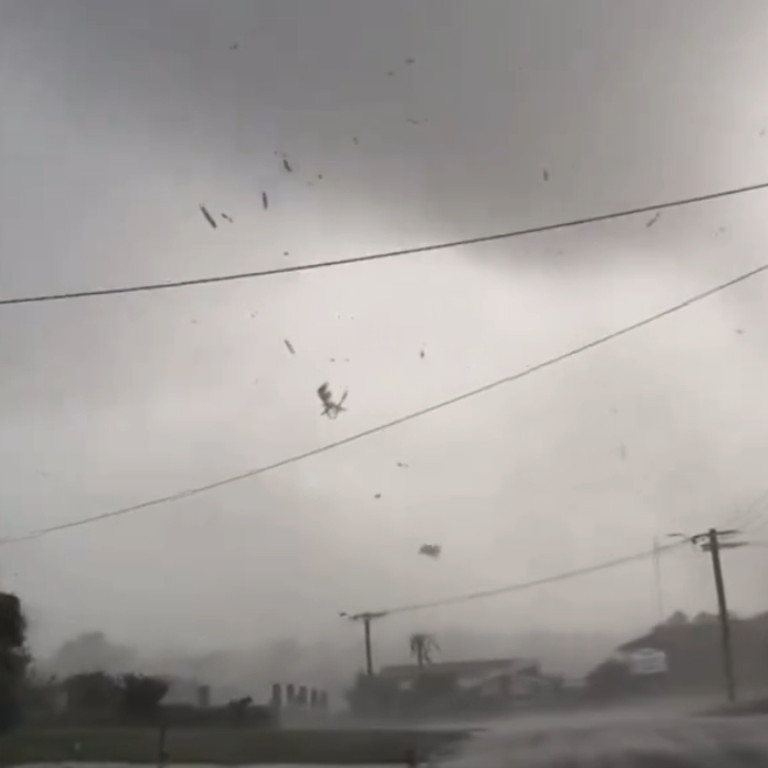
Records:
x=131, y=695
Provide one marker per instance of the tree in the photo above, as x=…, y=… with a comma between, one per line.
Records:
x=14, y=659
x=422, y=646
x=140, y=695
x=677, y=619
x=91, y=691
x=611, y=678
x=91, y=652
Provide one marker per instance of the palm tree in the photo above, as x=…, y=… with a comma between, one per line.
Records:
x=422, y=647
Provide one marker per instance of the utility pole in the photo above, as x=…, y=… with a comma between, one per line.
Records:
x=366, y=618
x=710, y=542
x=657, y=576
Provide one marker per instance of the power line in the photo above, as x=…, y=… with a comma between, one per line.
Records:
x=387, y=254
x=519, y=587
x=400, y=420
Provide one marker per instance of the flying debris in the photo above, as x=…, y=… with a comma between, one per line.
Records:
x=740, y=331
x=412, y=121
x=287, y=165
x=289, y=346
x=355, y=140
x=234, y=46
x=286, y=253
x=546, y=175
x=264, y=200
x=376, y=495
x=391, y=73
x=431, y=550
x=652, y=221
x=319, y=176
x=410, y=61
x=331, y=409
x=208, y=216
x=227, y=217
x=422, y=354
x=402, y=465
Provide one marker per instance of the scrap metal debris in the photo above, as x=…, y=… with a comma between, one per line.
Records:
x=546, y=175
x=234, y=46
x=331, y=409
x=412, y=121
x=227, y=217
x=652, y=221
x=208, y=216
x=355, y=140
x=431, y=550
x=422, y=354
x=287, y=165
x=289, y=346
x=376, y=495
x=410, y=61
x=264, y=200
x=402, y=464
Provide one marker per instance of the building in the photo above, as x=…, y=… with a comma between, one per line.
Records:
x=692, y=654
x=508, y=678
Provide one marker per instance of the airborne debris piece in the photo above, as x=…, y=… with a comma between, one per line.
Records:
x=652, y=221
x=412, y=121
x=330, y=408
x=740, y=331
x=286, y=253
x=227, y=217
x=402, y=464
x=410, y=61
x=287, y=165
x=208, y=216
x=355, y=140
x=431, y=550
x=546, y=175
x=234, y=46
x=422, y=354
x=264, y=200
x=289, y=346
x=319, y=176
x=391, y=73
x=376, y=495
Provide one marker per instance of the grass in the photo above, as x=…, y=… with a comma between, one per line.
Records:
x=221, y=746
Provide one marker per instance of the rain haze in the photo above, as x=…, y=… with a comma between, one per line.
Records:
x=312, y=131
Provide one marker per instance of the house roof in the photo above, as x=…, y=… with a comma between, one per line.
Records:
x=457, y=668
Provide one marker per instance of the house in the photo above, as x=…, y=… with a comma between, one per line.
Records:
x=692, y=651
x=494, y=678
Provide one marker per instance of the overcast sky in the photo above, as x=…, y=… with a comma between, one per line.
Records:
x=404, y=123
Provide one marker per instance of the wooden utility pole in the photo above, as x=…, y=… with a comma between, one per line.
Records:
x=710, y=542
x=366, y=618
x=657, y=577
x=368, y=650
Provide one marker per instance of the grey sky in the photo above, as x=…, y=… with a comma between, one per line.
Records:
x=120, y=118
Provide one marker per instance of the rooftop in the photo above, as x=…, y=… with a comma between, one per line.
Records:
x=459, y=668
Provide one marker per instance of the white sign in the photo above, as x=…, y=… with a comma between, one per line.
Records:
x=647, y=661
